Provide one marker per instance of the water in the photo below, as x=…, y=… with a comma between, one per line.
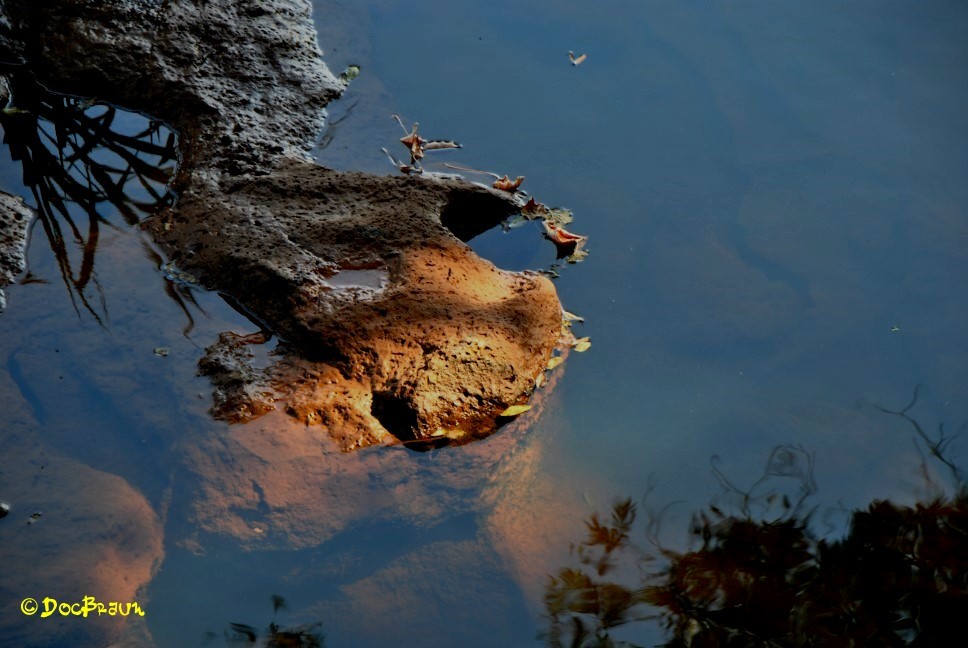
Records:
x=777, y=223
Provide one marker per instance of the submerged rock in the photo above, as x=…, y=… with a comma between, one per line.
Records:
x=391, y=323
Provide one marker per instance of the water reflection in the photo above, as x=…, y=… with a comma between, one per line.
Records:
x=760, y=574
x=275, y=636
x=78, y=155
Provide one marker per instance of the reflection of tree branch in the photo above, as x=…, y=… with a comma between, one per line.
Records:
x=74, y=157
x=177, y=292
x=938, y=447
x=784, y=461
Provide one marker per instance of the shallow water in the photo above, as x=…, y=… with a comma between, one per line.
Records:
x=778, y=235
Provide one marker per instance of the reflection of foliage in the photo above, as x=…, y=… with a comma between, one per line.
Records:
x=900, y=576
x=304, y=636
x=77, y=156
x=581, y=597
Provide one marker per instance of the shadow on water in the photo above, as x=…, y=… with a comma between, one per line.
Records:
x=78, y=157
x=758, y=573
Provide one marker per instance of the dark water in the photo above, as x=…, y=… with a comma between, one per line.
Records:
x=778, y=232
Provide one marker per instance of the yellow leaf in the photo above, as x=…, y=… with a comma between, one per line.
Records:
x=539, y=381
x=515, y=410
x=554, y=362
x=582, y=345
x=450, y=434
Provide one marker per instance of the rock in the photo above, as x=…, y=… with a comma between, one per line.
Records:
x=15, y=219
x=412, y=330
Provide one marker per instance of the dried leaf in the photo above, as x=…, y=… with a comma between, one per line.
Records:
x=559, y=216
x=408, y=169
x=450, y=434
x=582, y=345
x=576, y=60
x=539, y=381
x=441, y=144
x=571, y=317
x=532, y=208
x=577, y=256
x=418, y=145
x=560, y=236
x=506, y=184
x=515, y=410
x=554, y=362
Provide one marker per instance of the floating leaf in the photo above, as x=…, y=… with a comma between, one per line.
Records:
x=506, y=184
x=418, y=146
x=515, y=410
x=558, y=216
x=561, y=236
x=539, y=381
x=577, y=256
x=436, y=145
x=581, y=345
x=554, y=362
x=350, y=73
x=161, y=352
x=533, y=209
x=576, y=60
x=571, y=317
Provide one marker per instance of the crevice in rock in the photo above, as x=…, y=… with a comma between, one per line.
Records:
x=468, y=215
x=396, y=415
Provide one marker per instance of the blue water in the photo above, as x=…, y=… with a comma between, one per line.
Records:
x=777, y=217
x=769, y=189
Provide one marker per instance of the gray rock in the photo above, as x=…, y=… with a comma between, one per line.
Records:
x=15, y=218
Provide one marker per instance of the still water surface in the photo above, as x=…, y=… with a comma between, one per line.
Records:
x=778, y=231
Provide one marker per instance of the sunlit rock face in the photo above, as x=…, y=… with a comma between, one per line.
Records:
x=409, y=332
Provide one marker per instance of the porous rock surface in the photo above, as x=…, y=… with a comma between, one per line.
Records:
x=15, y=219
x=390, y=322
